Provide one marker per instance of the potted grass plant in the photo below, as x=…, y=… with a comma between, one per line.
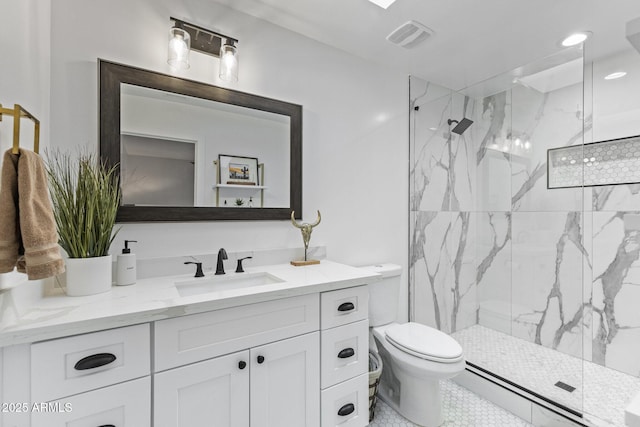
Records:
x=85, y=194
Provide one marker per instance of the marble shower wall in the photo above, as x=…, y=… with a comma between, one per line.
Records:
x=443, y=224
x=490, y=244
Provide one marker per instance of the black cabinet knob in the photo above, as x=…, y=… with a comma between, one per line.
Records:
x=94, y=361
x=346, y=306
x=242, y=364
x=346, y=353
x=260, y=359
x=346, y=409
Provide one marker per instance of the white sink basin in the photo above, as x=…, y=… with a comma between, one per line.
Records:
x=229, y=281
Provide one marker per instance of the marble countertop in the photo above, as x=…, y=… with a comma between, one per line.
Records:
x=30, y=313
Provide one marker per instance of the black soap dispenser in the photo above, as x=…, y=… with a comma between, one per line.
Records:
x=126, y=268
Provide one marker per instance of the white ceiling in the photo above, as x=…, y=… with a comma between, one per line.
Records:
x=473, y=41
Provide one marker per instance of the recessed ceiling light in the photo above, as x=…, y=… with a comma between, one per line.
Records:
x=615, y=75
x=383, y=3
x=574, y=39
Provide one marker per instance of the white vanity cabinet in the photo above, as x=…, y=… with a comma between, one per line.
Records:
x=285, y=359
x=345, y=357
x=285, y=383
x=272, y=385
x=95, y=379
x=214, y=391
x=271, y=378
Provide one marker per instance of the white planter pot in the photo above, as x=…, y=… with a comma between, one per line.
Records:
x=88, y=276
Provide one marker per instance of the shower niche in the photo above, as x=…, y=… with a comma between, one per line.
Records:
x=612, y=162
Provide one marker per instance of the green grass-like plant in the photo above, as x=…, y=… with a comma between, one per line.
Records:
x=85, y=194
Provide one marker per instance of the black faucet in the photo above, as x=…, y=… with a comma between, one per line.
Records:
x=199, y=272
x=239, y=268
x=222, y=255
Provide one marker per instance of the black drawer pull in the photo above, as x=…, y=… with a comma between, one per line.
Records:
x=242, y=364
x=346, y=306
x=346, y=409
x=94, y=361
x=346, y=353
x=107, y=425
x=260, y=359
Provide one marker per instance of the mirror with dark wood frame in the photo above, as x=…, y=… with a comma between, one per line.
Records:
x=118, y=82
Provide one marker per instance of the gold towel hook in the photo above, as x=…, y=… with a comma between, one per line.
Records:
x=19, y=112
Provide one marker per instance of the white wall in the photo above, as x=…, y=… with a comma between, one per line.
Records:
x=354, y=124
x=24, y=75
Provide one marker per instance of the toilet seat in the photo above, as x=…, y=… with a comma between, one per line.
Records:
x=424, y=342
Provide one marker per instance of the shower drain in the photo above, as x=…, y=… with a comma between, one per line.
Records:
x=565, y=386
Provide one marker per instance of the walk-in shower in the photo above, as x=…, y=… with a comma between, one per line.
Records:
x=539, y=283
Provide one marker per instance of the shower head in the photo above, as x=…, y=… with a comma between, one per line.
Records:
x=461, y=125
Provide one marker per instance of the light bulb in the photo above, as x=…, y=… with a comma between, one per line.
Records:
x=179, y=45
x=228, y=63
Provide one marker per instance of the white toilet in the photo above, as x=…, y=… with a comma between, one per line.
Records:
x=415, y=357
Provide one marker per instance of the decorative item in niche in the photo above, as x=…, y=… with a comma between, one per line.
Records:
x=237, y=170
x=306, y=230
x=610, y=162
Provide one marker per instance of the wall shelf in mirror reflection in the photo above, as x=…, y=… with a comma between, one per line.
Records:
x=238, y=177
x=192, y=123
x=610, y=162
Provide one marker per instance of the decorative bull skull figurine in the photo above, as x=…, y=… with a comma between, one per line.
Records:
x=306, y=230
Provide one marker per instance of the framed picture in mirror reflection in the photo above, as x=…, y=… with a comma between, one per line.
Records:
x=238, y=170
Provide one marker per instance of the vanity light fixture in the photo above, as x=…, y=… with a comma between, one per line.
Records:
x=184, y=37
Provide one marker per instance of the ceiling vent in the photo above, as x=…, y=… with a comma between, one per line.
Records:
x=409, y=34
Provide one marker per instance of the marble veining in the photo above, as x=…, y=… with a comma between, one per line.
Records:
x=616, y=286
x=572, y=234
x=491, y=245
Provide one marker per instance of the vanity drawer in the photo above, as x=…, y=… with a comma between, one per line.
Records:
x=67, y=366
x=197, y=337
x=122, y=405
x=344, y=352
x=346, y=404
x=344, y=306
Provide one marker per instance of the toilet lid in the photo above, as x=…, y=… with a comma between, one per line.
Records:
x=424, y=342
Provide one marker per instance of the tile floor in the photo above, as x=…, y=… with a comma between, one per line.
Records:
x=461, y=408
x=600, y=392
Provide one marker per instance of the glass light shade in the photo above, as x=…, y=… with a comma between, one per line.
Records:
x=179, y=46
x=228, y=63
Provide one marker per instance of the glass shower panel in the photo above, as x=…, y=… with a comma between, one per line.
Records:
x=497, y=258
x=442, y=255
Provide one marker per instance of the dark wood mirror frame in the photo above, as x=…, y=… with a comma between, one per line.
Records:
x=112, y=75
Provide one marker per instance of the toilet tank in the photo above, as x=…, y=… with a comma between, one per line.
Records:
x=384, y=294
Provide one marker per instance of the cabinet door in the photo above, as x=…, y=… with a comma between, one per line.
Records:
x=285, y=383
x=210, y=393
x=122, y=405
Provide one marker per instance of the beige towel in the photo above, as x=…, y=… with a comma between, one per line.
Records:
x=28, y=237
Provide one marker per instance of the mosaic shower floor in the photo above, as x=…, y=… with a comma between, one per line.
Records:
x=599, y=391
x=461, y=408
